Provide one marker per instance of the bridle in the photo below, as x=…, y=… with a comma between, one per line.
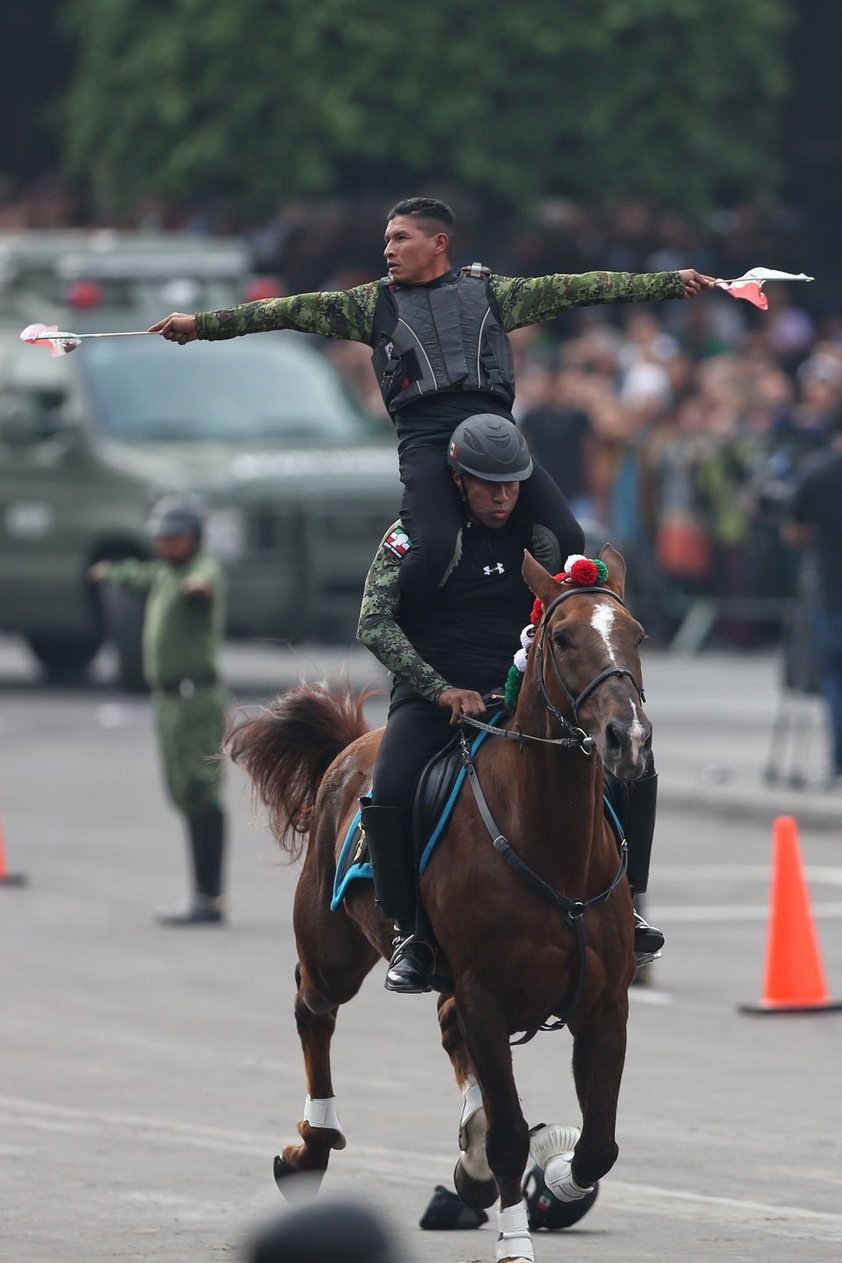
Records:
x=574, y=734
x=607, y=674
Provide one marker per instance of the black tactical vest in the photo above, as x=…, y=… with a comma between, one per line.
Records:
x=446, y=337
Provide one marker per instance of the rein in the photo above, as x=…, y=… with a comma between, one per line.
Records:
x=578, y=737
x=572, y=910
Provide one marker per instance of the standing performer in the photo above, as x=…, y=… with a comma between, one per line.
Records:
x=441, y=354
x=182, y=634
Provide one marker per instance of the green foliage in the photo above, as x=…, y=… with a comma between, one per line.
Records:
x=250, y=102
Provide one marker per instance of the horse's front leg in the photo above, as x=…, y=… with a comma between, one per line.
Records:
x=472, y=1176
x=599, y=1053
x=486, y=1037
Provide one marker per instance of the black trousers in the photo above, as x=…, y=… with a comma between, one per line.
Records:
x=432, y=513
x=415, y=730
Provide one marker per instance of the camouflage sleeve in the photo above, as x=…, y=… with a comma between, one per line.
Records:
x=526, y=300
x=378, y=629
x=133, y=574
x=346, y=314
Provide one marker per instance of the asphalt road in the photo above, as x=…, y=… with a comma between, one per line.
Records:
x=147, y=1077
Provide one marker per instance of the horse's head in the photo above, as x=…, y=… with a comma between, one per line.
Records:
x=586, y=663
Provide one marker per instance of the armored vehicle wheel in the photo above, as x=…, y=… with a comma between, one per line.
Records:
x=64, y=657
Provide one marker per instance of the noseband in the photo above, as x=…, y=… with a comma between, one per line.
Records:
x=575, y=702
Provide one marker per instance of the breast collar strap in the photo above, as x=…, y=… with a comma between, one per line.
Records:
x=572, y=910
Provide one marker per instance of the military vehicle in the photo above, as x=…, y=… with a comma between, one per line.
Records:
x=298, y=487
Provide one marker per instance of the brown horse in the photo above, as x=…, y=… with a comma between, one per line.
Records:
x=539, y=936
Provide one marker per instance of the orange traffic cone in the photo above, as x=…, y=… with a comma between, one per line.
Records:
x=794, y=981
x=7, y=878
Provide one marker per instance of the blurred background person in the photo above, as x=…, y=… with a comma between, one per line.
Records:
x=814, y=522
x=323, y=1232
x=183, y=628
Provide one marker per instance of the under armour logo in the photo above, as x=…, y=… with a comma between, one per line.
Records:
x=498, y=569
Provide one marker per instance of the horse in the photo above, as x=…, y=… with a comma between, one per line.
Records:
x=547, y=932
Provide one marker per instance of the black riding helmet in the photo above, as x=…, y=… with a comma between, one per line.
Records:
x=545, y=1211
x=177, y=515
x=489, y=447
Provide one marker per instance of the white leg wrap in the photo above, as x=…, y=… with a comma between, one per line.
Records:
x=322, y=1113
x=552, y=1148
x=471, y=1103
x=514, y=1241
x=472, y=1129
x=559, y=1180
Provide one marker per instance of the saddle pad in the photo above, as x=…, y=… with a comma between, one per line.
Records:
x=442, y=779
x=443, y=776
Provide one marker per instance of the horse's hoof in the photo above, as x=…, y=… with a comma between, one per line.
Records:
x=303, y=1187
x=566, y=1214
x=478, y=1194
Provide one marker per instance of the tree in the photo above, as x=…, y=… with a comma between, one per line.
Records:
x=263, y=100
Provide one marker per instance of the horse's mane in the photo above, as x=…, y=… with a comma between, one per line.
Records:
x=287, y=748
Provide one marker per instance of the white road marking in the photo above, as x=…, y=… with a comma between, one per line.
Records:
x=827, y=874
x=742, y=1213
x=389, y=1165
x=686, y=875
x=648, y=995
x=736, y=912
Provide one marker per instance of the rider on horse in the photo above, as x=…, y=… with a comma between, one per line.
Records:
x=466, y=632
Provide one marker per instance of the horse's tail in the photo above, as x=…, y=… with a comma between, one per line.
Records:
x=287, y=748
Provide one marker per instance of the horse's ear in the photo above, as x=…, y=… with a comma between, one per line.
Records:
x=542, y=584
x=616, y=580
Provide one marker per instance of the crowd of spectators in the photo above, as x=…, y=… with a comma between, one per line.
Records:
x=676, y=430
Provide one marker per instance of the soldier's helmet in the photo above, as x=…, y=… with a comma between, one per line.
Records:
x=177, y=515
x=546, y=1211
x=489, y=447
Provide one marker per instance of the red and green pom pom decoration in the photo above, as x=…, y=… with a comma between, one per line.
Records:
x=583, y=572
x=512, y=690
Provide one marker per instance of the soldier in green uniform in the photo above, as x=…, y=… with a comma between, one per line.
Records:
x=441, y=353
x=182, y=633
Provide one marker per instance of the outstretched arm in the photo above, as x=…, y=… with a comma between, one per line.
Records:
x=346, y=314
x=527, y=300
x=133, y=573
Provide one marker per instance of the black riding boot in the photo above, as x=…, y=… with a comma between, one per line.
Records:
x=206, y=835
x=640, y=829
x=396, y=893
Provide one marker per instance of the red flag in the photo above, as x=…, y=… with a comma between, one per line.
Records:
x=751, y=291
x=49, y=335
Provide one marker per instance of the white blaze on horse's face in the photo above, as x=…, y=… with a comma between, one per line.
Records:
x=638, y=734
x=602, y=620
